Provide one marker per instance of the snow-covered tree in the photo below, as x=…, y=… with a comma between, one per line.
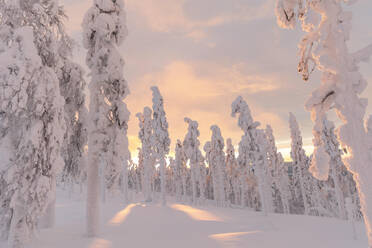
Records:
x=146, y=137
x=300, y=177
x=202, y=179
x=161, y=136
x=332, y=147
x=284, y=183
x=217, y=165
x=208, y=158
x=103, y=31
x=276, y=177
x=191, y=145
x=180, y=173
x=72, y=85
x=32, y=127
x=324, y=47
x=55, y=48
x=140, y=171
x=252, y=148
x=232, y=174
x=50, y=41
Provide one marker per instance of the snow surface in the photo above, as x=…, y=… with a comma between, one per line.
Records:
x=177, y=225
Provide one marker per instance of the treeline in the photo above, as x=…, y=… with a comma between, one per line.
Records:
x=254, y=177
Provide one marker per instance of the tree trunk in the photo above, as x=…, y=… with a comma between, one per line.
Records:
x=48, y=219
x=18, y=233
x=339, y=195
x=261, y=189
x=303, y=191
x=101, y=172
x=93, y=192
x=162, y=181
x=243, y=187
x=146, y=181
x=125, y=182
x=193, y=183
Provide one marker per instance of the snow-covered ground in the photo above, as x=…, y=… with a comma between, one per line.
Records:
x=177, y=225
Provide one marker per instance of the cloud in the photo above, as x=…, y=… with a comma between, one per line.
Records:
x=170, y=16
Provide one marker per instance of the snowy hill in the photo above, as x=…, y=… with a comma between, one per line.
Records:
x=176, y=225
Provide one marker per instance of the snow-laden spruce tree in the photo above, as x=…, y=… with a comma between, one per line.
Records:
x=191, y=145
x=279, y=190
x=217, y=165
x=54, y=47
x=32, y=127
x=332, y=147
x=45, y=20
x=324, y=47
x=171, y=175
x=181, y=171
x=140, y=170
x=252, y=148
x=208, y=159
x=232, y=173
x=72, y=84
x=146, y=136
x=300, y=179
x=203, y=180
x=103, y=31
x=284, y=182
x=161, y=137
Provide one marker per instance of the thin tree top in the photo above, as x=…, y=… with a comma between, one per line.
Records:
x=145, y=124
x=191, y=142
x=217, y=141
x=297, y=152
x=160, y=124
x=245, y=121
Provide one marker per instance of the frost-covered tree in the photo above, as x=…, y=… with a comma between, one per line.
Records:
x=146, y=136
x=208, y=158
x=45, y=20
x=300, y=177
x=324, y=47
x=332, y=147
x=202, y=179
x=232, y=174
x=32, y=127
x=252, y=148
x=284, y=183
x=103, y=31
x=217, y=165
x=276, y=177
x=161, y=136
x=139, y=171
x=72, y=84
x=191, y=145
x=54, y=47
x=180, y=173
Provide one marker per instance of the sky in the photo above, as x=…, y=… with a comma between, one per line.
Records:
x=203, y=54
